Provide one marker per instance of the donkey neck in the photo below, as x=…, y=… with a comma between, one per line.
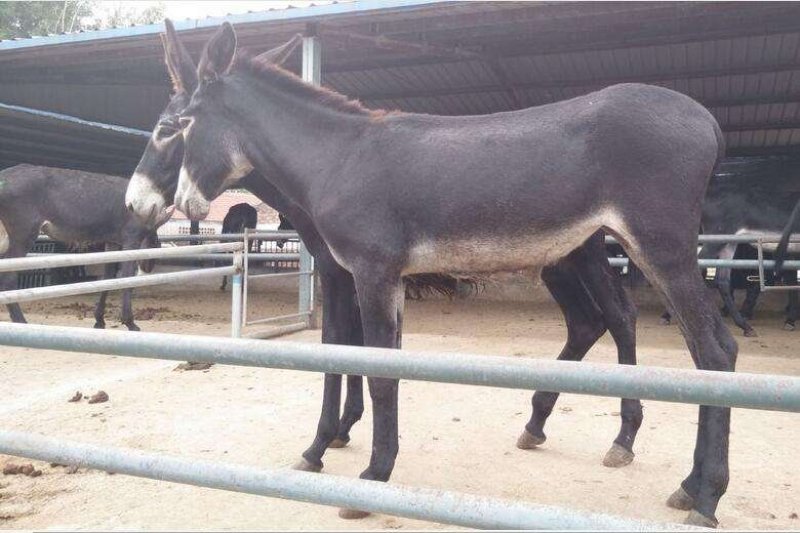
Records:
x=294, y=139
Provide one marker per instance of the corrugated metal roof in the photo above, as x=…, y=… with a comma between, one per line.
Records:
x=740, y=59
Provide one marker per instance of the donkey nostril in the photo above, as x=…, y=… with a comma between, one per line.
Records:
x=129, y=205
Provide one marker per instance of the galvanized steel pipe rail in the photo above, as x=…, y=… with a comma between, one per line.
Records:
x=99, y=258
x=752, y=391
x=423, y=504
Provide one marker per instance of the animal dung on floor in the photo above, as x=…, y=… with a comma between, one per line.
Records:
x=12, y=469
x=99, y=397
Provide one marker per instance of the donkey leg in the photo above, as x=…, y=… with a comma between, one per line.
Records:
x=791, y=312
x=379, y=298
x=750, y=300
x=584, y=326
x=723, y=279
x=21, y=237
x=338, y=311
x=8, y=282
x=713, y=348
x=109, y=272
x=353, y=411
x=224, y=283
x=619, y=314
x=354, y=403
x=127, y=270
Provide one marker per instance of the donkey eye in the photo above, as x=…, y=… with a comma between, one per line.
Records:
x=165, y=131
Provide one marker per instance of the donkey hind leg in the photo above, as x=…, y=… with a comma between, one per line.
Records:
x=354, y=403
x=128, y=270
x=584, y=326
x=380, y=298
x=793, y=306
x=713, y=348
x=750, y=300
x=723, y=279
x=340, y=325
x=224, y=283
x=619, y=313
x=109, y=272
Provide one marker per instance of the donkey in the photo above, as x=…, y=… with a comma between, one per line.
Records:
x=393, y=194
x=74, y=207
x=744, y=204
x=238, y=217
x=590, y=295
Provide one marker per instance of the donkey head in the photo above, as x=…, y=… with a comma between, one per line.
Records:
x=152, y=187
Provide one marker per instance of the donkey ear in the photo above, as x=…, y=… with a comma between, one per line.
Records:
x=180, y=65
x=279, y=55
x=218, y=54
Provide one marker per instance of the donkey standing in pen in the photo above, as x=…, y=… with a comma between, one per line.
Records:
x=71, y=206
x=399, y=194
x=239, y=217
x=745, y=202
x=583, y=284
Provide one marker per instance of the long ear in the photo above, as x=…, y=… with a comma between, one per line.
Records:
x=280, y=54
x=180, y=65
x=218, y=54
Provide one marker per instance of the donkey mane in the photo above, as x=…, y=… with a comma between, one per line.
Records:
x=288, y=81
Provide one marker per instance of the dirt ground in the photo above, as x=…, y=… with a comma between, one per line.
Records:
x=452, y=437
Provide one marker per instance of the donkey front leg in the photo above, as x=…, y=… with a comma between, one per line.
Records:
x=109, y=272
x=380, y=298
x=128, y=270
x=339, y=312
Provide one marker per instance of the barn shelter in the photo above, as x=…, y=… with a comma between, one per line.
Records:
x=87, y=100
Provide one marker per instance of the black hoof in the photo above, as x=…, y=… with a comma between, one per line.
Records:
x=681, y=500
x=305, y=466
x=789, y=326
x=339, y=442
x=99, y=325
x=618, y=457
x=529, y=441
x=750, y=333
x=133, y=327
x=664, y=321
x=695, y=518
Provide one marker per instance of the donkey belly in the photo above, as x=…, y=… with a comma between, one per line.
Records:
x=772, y=236
x=495, y=253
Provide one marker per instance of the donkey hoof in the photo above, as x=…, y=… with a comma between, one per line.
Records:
x=99, y=325
x=680, y=499
x=339, y=442
x=306, y=466
x=750, y=333
x=352, y=514
x=788, y=326
x=529, y=441
x=618, y=457
x=133, y=327
x=695, y=518
x=664, y=321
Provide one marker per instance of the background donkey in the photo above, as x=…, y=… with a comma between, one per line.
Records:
x=585, y=288
x=73, y=207
x=239, y=217
x=399, y=194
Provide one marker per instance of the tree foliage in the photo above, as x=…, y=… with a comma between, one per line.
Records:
x=28, y=19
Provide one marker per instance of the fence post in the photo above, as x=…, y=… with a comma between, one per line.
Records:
x=306, y=285
x=236, y=297
x=312, y=73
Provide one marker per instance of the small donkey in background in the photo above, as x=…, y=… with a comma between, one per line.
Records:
x=70, y=206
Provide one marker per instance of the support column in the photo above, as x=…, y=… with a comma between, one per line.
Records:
x=310, y=299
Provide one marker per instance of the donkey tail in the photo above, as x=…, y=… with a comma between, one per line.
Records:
x=783, y=244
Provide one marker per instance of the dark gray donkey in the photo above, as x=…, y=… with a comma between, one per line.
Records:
x=73, y=207
x=584, y=286
x=238, y=217
x=394, y=194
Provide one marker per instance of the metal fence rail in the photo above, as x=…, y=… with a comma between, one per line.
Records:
x=423, y=504
x=732, y=389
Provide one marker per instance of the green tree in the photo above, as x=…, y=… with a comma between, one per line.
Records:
x=28, y=19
